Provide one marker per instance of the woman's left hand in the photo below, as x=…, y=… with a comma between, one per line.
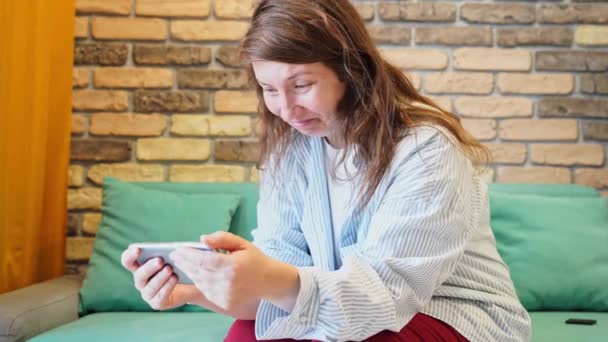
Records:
x=227, y=280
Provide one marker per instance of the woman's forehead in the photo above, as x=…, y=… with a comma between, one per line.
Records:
x=287, y=71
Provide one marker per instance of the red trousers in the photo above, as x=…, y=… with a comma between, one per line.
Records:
x=421, y=328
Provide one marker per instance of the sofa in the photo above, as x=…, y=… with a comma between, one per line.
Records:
x=559, y=270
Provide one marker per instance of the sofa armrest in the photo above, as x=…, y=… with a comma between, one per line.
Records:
x=32, y=310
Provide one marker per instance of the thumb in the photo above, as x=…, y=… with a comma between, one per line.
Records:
x=225, y=240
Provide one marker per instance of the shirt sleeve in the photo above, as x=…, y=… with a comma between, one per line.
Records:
x=414, y=241
x=279, y=212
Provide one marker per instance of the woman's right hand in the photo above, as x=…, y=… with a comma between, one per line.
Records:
x=155, y=281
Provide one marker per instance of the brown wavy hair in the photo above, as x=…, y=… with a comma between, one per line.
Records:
x=380, y=104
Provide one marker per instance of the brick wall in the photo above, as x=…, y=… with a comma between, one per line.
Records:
x=159, y=94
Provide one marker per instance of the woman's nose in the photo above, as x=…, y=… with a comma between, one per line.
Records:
x=287, y=105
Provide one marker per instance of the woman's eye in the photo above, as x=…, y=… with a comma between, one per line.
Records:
x=302, y=86
x=268, y=90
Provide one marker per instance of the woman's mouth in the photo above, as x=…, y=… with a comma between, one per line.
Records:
x=302, y=123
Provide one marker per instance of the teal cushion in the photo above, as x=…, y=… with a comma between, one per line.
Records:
x=550, y=326
x=142, y=326
x=132, y=213
x=244, y=219
x=571, y=190
x=555, y=248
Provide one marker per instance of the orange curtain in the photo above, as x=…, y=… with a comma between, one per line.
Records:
x=36, y=57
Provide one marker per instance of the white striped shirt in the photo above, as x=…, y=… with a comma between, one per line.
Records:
x=423, y=244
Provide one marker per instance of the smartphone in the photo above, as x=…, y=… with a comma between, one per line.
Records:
x=151, y=250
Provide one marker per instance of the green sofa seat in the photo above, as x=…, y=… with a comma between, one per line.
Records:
x=549, y=326
x=209, y=326
x=142, y=326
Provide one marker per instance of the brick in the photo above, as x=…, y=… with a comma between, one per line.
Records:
x=80, y=77
x=174, y=8
x=366, y=10
x=591, y=35
x=494, y=106
x=79, y=124
x=427, y=12
x=79, y=248
x=111, y=77
x=190, y=125
x=121, y=7
x=228, y=56
x=463, y=83
x=560, y=36
x=573, y=107
x=203, y=125
x=129, y=28
x=597, y=178
x=84, y=198
x=254, y=175
x=445, y=102
x=454, y=35
x=129, y=172
x=385, y=34
x=568, y=154
x=535, y=174
x=230, y=125
x=498, y=13
x=128, y=124
x=409, y=59
x=75, y=176
x=572, y=13
x=481, y=129
x=595, y=131
x=508, y=153
x=100, y=150
x=146, y=101
x=212, y=79
x=191, y=30
x=100, y=53
x=492, y=59
x=173, y=149
x=538, y=130
x=572, y=60
x=109, y=100
x=90, y=223
x=233, y=9
x=540, y=84
x=237, y=150
x=594, y=84
x=74, y=224
x=232, y=101
x=76, y=269
x=416, y=79
x=81, y=27
x=206, y=173
x=150, y=54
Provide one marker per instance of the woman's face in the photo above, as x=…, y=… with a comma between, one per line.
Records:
x=305, y=96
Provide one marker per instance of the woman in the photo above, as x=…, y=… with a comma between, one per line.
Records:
x=372, y=224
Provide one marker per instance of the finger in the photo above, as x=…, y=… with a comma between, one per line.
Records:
x=147, y=270
x=156, y=283
x=225, y=240
x=165, y=290
x=129, y=257
x=192, y=258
